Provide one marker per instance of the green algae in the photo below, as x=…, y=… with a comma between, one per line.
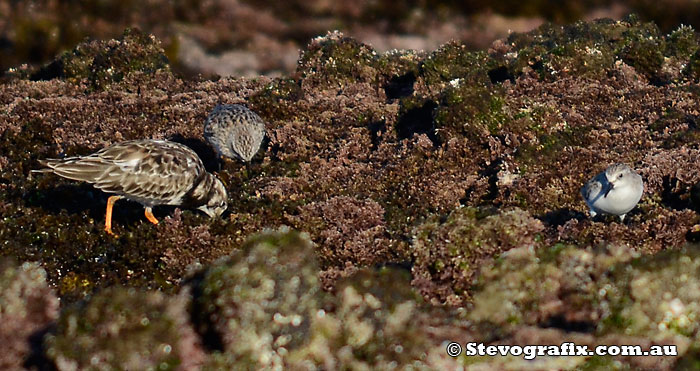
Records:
x=469, y=111
x=102, y=64
x=465, y=106
x=643, y=48
x=124, y=329
x=334, y=60
x=259, y=302
x=527, y=282
x=277, y=100
x=682, y=42
x=545, y=151
x=27, y=306
x=454, y=61
x=470, y=103
x=655, y=296
x=376, y=325
x=603, y=363
x=589, y=49
x=448, y=252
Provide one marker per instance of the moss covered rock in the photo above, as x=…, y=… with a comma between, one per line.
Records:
x=387, y=139
x=449, y=252
x=102, y=63
x=656, y=296
x=553, y=286
x=122, y=328
x=257, y=305
x=334, y=60
x=378, y=323
x=592, y=297
x=27, y=307
x=591, y=48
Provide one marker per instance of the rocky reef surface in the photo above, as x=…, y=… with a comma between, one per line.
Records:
x=402, y=200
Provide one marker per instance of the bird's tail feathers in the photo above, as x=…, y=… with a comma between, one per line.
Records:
x=76, y=168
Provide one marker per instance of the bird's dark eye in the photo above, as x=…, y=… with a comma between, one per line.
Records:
x=620, y=176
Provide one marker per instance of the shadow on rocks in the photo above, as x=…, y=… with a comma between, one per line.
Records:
x=560, y=217
x=202, y=149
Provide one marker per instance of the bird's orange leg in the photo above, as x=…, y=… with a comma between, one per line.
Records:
x=150, y=217
x=108, y=218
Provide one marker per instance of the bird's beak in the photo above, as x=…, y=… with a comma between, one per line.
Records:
x=207, y=211
x=609, y=187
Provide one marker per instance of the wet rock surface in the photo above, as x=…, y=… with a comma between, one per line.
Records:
x=460, y=167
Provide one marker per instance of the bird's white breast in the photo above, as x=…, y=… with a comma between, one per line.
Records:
x=620, y=200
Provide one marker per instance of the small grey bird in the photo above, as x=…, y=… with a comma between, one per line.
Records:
x=617, y=190
x=234, y=131
x=151, y=172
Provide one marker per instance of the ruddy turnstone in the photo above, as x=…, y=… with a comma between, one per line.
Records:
x=151, y=172
x=234, y=131
x=617, y=190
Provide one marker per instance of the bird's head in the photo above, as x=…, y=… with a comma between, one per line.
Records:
x=217, y=200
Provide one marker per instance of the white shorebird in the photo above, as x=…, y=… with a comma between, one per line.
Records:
x=617, y=190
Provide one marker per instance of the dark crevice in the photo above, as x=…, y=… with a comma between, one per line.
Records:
x=37, y=359
x=559, y=217
x=670, y=198
x=692, y=235
x=500, y=74
x=51, y=71
x=491, y=172
x=560, y=322
x=404, y=266
x=211, y=339
x=260, y=155
x=537, y=66
x=74, y=197
x=695, y=197
x=418, y=120
x=400, y=86
x=377, y=130
x=464, y=201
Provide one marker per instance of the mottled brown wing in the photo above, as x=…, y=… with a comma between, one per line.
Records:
x=86, y=169
x=149, y=171
x=152, y=172
x=591, y=190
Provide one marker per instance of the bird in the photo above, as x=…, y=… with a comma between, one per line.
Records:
x=234, y=131
x=617, y=190
x=150, y=172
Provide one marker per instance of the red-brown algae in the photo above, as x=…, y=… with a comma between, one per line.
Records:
x=462, y=166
